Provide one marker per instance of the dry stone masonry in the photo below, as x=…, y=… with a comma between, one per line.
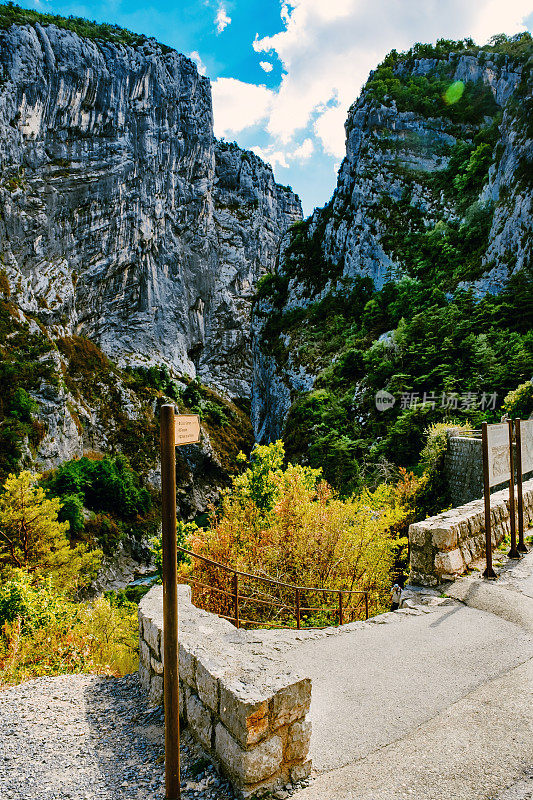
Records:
x=442, y=547
x=238, y=697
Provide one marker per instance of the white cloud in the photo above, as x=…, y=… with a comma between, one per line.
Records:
x=238, y=105
x=222, y=20
x=327, y=49
x=276, y=158
x=305, y=150
x=195, y=56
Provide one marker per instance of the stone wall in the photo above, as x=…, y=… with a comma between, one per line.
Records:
x=442, y=547
x=240, y=700
x=464, y=469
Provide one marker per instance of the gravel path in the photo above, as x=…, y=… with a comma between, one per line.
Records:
x=91, y=738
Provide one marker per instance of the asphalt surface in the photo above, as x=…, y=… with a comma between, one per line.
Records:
x=479, y=748
x=433, y=706
x=373, y=686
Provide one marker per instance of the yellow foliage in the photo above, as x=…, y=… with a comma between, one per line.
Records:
x=90, y=637
x=309, y=537
x=33, y=539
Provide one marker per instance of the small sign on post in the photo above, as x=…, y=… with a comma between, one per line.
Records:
x=175, y=430
x=187, y=429
x=524, y=463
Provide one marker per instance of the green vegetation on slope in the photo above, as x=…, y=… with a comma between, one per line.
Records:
x=420, y=337
x=11, y=14
x=287, y=523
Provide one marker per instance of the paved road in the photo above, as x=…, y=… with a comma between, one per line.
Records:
x=432, y=704
x=373, y=686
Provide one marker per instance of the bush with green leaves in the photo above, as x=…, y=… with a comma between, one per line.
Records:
x=109, y=484
x=31, y=600
x=519, y=403
x=184, y=530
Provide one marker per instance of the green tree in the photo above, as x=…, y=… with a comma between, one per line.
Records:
x=33, y=539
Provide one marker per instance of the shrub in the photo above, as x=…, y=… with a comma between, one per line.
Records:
x=34, y=604
x=519, y=403
x=289, y=525
x=106, y=485
x=65, y=637
x=71, y=511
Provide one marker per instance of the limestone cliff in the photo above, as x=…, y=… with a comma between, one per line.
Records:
x=435, y=189
x=131, y=242
x=123, y=219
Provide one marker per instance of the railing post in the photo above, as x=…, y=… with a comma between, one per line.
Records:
x=236, y=598
x=297, y=596
x=513, y=552
x=366, y=604
x=340, y=608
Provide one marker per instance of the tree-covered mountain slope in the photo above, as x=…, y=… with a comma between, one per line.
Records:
x=416, y=278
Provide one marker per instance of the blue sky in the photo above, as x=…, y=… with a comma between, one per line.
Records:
x=284, y=73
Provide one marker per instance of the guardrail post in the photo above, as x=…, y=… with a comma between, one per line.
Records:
x=366, y=604
x=521, y=543
x=236, y=598
x=297, y=606
x=340, y=608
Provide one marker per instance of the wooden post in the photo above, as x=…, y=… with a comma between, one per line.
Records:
x=340, y=608
x=489, y=572
x=513, y=552
x=366, y=605
x=236, y=598
x=297, y=598
x=170, y=604
x=519, y=480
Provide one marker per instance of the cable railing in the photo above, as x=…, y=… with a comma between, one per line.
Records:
x=236, y=599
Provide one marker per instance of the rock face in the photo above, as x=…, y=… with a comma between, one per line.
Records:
x=389, y=184
x=123, y=219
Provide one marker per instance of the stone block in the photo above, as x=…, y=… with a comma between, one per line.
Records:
x=187, y=664
x=449, y=563
x=144, y=676
x=290, y=703
x=198, y=719
x=155, y=693
x=247, y=720
x=183, y=706
x=207, y=677
x=444, y=538
x=298, y=739
x=419, y=534
x=421, y=561
x=465, y=552
x=156, y=666
x=152, y=636
x=144, y=653
x=300, y=771
x=248, y=766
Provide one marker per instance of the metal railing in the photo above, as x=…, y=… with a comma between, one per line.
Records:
x=239, y=602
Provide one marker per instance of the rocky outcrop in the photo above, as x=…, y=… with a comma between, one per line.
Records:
x=123, y=219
